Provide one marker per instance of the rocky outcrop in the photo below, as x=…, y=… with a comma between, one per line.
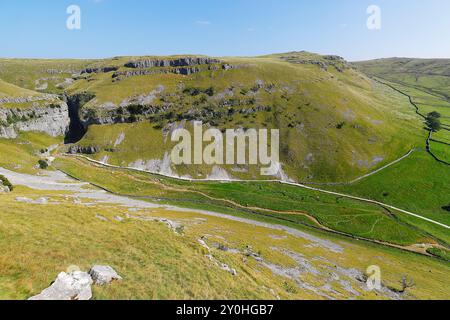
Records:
x=103, y=275
x=5, y=185
x=43, y=97
x=73, y=286
x=183, y=66
x=323, y=62
x=185, y=71
x=178, y=62
x=50, y=118
x=99, y=70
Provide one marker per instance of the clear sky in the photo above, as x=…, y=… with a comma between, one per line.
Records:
x=37, y=28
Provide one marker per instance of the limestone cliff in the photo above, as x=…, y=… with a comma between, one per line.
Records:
x=45, y=114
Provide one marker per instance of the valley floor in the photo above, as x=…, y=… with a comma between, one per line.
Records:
x=51, y=222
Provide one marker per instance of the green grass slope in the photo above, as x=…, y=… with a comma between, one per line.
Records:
x=157, y=263
x=10, y=90
x=335, y=123
x=46, y=76
x=277, y=203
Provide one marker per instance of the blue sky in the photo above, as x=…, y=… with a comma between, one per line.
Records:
x=413, y=28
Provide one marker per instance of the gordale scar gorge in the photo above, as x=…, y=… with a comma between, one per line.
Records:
x=357, y=205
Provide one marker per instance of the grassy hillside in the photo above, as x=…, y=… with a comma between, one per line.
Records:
x=10, y=90
x=23, y=153
x=47, y=76
x=336, y=124
x=306, y=96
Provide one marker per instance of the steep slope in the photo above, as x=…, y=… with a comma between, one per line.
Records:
x=335, y=124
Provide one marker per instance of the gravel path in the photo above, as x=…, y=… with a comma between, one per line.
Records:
x=58, y=181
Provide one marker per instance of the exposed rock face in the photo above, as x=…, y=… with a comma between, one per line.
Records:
x=219, y=173
x=44, y=97
x=103, y=275
x=52, y=119
x=329, y=60
x=83, y=150
x=143, y=99
x=76, y=129
x=155, y=166
x=184, y=66
x=73, y=286
x=99, y=70
x=179, y=62
x=120, y=75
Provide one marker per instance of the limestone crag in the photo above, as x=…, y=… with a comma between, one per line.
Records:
x=99, y=70
x=179, y=62
x=51, y=118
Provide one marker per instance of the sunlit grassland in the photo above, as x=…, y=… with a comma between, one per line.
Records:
x=288, y=204
x=39, y=241
x=23, y=153
x=418, y=184
x=366, y=124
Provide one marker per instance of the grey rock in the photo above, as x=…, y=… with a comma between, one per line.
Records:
x=121, y=75
x=73, y=286
x=119, y=219
x=228, y=269
x=102, y=275
x=100, y=70
x=83, y=150
x=51, y=118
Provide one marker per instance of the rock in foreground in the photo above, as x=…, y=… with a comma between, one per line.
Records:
x=73, y=286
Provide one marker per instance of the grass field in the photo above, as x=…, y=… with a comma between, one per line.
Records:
x=418, y=183
x=427, y=82
x=157, y=263
x=336, y=125
x=286, y=203
x=23, y=153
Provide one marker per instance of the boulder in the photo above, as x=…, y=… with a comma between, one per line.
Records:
x=73, y=286
x=102, y=275
x=75, y=149
x=47, y=116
